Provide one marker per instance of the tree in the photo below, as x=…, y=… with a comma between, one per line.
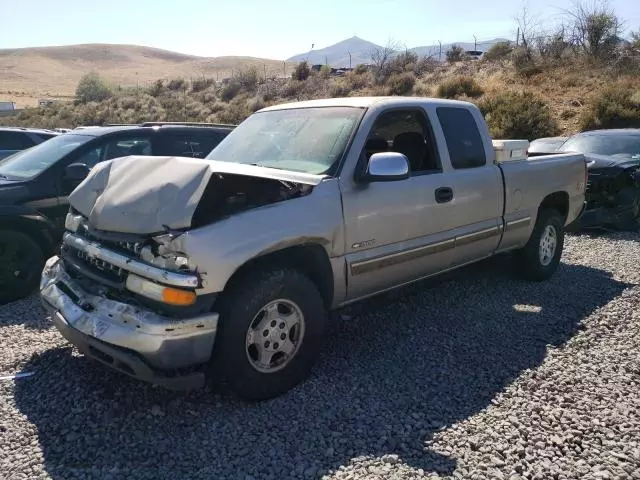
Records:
x=595, y=28
x=528, y=28
x=92, y=88
x=381, y=58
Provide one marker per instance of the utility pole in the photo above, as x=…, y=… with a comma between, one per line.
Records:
x=440, y=51
x=475, y=43
x=349, y=60
x=518, y=37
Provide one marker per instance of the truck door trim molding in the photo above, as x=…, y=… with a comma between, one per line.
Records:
x=517, y=224
x=370, y=264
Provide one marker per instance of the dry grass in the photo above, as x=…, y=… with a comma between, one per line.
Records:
x=557, y=96
x=28, y=74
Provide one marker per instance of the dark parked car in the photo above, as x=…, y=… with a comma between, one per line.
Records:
x=35, y=184
x=613, y=185
x=15, y=139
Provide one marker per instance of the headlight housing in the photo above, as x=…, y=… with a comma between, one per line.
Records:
x=162, y=256
x=72, y=222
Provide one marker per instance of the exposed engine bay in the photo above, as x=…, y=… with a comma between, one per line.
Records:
x=228, y=194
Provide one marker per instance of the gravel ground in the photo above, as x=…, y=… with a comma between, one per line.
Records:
x=479, y=376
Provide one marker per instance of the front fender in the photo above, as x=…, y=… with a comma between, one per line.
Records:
x=18, y=217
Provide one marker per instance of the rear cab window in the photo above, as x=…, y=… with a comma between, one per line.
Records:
x=461, y=133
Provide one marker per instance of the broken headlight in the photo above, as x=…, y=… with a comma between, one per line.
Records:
x=161, y=255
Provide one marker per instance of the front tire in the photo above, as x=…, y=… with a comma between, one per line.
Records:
x=21, y=264
x=630, y=220
x=271, y=330
x=539, y=258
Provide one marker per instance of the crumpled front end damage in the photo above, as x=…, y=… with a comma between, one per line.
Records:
x=120, y=291
x=612, y=196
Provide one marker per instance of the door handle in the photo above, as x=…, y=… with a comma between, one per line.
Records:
x=444, y=194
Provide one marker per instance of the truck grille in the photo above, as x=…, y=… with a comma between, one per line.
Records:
x=94, y=268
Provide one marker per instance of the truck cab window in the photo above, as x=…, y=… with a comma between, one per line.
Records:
x=406, y=132
x=461, y=133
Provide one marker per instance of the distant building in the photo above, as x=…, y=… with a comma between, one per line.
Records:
x=7, y=106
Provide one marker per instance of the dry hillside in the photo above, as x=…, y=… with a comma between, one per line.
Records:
x=27, y=74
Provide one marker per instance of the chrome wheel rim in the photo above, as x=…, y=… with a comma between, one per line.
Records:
x=274, y=336
x=548, y=244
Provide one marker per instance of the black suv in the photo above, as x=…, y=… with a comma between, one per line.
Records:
x=35, y=184
x=15, y=139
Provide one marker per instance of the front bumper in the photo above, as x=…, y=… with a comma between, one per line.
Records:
x=127, y=338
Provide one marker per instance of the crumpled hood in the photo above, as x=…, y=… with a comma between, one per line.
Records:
x=145, y=195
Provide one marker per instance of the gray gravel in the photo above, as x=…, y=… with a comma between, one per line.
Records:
x=480, y=376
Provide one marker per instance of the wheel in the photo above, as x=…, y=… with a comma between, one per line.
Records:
x=21, y=264
x=629, y=220
x=270, y=333
x=540, y=257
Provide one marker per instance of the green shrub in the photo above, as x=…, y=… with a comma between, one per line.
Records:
x=498, y=51
x=200, y=84
x=357, y=81
x=458, y=87
x=524, y=63
x=301, y=72
x=339, y=88
x=247, y=78
x=177, y=84
x=92, y=88
x=455, y=54
x=230, y=90
x=360, y=69
x=614, y=107
x=401, y=84
x=518, y=115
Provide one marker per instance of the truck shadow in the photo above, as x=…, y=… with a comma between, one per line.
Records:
x=400, y=368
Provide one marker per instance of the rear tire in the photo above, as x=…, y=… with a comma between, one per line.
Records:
x=21, y=264
x=539, y=258
x=277, y=316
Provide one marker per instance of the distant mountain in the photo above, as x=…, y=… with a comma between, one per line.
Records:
x=337, y=55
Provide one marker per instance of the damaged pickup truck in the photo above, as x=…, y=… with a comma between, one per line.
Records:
x=174, y=270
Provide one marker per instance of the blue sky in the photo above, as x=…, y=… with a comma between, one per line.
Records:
x=272, y=29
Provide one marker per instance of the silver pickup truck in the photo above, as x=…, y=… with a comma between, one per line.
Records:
x=173, y=270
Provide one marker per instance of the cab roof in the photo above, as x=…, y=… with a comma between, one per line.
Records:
x=365, y=102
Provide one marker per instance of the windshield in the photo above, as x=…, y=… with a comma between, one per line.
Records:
x=33, y=161
x=309, y=140
x=624, y=145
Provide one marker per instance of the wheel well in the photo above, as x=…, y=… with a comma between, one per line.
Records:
x=31, y=229
x=310, y=259
x=558, y=201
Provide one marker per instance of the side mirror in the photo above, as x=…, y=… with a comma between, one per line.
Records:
x=76, y=172
x=387, y=167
